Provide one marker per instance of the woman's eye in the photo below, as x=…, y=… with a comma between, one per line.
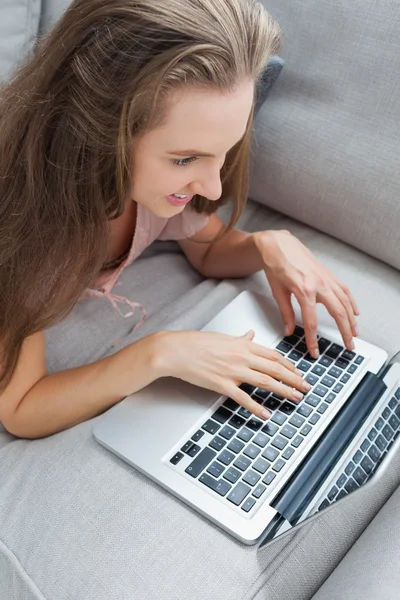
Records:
x=183, y=162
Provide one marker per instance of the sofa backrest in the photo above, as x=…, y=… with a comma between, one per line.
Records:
x=327, y=143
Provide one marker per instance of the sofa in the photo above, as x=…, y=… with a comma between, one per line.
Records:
x=77, y=523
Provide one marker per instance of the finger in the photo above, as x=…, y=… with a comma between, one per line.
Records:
x=269, y=354
x=307, y=301
x=346, y=291
x=282, y=298
x=346, y=301
x=266, y=382
x=247, y=402
x=338, y=311
x=280, y=373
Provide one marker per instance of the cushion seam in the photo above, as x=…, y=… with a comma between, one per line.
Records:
x=14, y=561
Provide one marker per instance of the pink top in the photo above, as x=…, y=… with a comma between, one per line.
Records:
x=148, y=228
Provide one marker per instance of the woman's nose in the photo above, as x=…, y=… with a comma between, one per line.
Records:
x=209, y=184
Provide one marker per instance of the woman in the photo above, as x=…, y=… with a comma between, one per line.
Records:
x=132, y=122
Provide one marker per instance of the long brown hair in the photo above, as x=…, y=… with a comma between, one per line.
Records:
x=68, y=122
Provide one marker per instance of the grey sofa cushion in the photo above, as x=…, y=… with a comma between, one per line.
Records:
x=370, y=570
x=327, y=149
x=76, y=522
x=19, y=22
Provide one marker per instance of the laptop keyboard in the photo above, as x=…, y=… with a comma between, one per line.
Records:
x=238, y=456
x=370, y=453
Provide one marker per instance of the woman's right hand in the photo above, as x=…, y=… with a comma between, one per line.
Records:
x=221, y=362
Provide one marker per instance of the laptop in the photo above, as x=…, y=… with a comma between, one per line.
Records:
x=258, y=479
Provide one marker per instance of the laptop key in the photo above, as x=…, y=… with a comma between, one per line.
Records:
x=328, y=381
x=261, y=465
x=211, y=426
x=312, y=379
x=264, y=394
x=252, y=451
x=330, y=397
x=279, y=442
x=359, y=360
x=239, y=493
x=215, y=469
x=200, y=462
x=341, y=494
x=243, y=412
x=338, y=388
x=245, y=434
x=270, y=453
x=242, y=463
x=247, y=387
x=278, y=418
x=248, y=504
x=341, y=363
x=386, y=413
x=379, y=423
x=345, y=378
x=318, y=370
x=235, y=446
x=306, y=429
x=297, y=420
x=334, y=350
x=231, y=404
x=304, y=366
x=295, y=356
x=176, y=458
x=341, y=481
x=222, y=414
x=314, y=418
x=393, y=403
x=325, y=361
x=335, y=372
x=272, y=403
x=220, y=486
x=297, y=441
x=350, y=468
x=287, y=453
x=332, y=493
x=237, y=421
x=312, y=400
x=359, y=476
x=217, y=443
x=348, y=354
x=304, y=410
x=365, y=445
x=367, y=464
x=381, y=442
x=261, y=440
x=226, y=457
x=350, y=486
x=254, y=424
x=198, y=435
x=374, y=453
x=190, y=448
x=232, y=475
x=320, y=390
x=227, y=432
x=270, y=476
x=323, y=504
x=322, y=408
x=372, y=434
x=259, y=490
x=301, y=347
x=251, y=477
x=397, y=393
x=288, y=431
x=357, y=456
x=387, y=432
x=291, y=339
x=278, y=465
x=287, y=408
x=394, y=422
x=270, y=429
x=284, y=347
x=352, y=369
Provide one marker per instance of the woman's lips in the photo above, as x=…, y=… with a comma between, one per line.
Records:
x=178, y=201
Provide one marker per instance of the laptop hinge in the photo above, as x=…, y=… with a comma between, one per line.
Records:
x=298, y=492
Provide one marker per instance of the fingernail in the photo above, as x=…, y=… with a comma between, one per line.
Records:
x=297, y=395
x=352, y=346
x=315, y=353
x=298, y=372
x=286, y=330
x=306, y=386
x=265, y=414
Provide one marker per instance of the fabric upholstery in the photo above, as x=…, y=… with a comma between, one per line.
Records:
x=76, y=522
x=19, y=22
x=327, y=145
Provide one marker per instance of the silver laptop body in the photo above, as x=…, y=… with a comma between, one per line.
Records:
x=252, y=481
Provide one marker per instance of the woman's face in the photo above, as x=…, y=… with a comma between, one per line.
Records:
x=168, y=160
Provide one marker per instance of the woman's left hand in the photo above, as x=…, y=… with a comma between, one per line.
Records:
x=292, y=269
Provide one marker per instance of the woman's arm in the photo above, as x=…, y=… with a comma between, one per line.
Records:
x=36, y=404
